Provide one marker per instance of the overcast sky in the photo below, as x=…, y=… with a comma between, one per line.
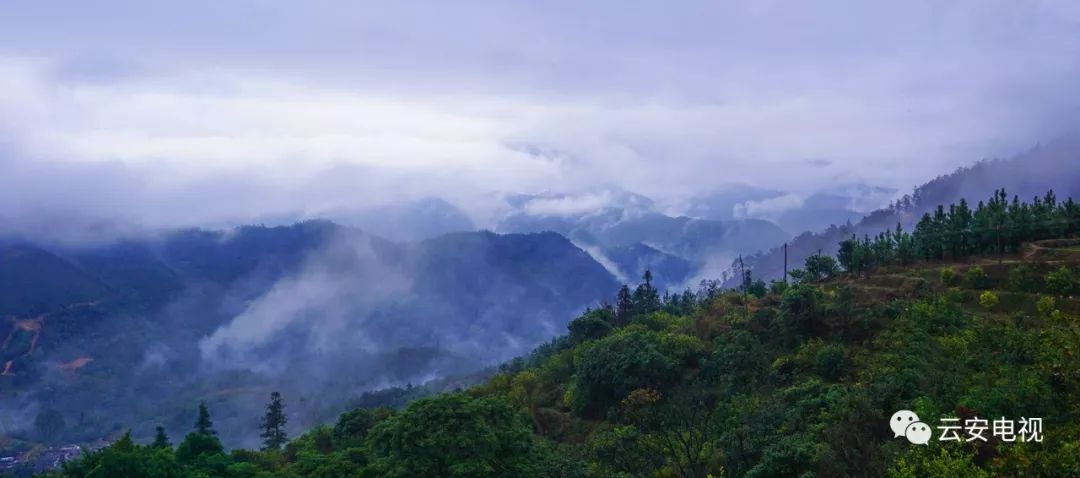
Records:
x=198, y=112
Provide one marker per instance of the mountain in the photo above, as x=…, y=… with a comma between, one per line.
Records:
x=837, y=204
x=624, y=222
x=140, y=328
x=410, y=220
x=856, y=373
x=1055, y=165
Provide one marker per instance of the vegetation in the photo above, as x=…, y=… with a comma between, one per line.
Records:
x=794, y=379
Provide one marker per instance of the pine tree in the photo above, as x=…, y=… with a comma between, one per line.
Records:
x=204, y=425
x=624, y=306
x=273, y=424
x=160, y=439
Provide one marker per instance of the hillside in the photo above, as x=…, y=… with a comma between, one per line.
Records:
x=1055, y=166
x=139, y=328
x=798, y=379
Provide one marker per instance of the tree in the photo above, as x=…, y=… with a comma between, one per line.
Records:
x=624, y=306
x=820, y=267
x=273, y=424
x=202, y=441
x=203, y=424
x=455, y=435
x=646, y=298
x=160, y=439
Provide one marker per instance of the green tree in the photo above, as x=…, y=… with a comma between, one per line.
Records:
x=160, y=439
x=1062, y=281
x=454, y=435
x=612, y=367
x=273, y=424
x=203, y=424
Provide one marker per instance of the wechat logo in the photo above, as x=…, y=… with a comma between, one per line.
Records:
x=906, y=423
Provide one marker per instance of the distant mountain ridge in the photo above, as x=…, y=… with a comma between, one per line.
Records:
x=177, y=315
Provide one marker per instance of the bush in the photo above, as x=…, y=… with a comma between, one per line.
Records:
x=820, y=267
x=949, y=278
x=801, y=307
x=830, y=362
x=1045, y=305
x=1023, y=279
x=1062, y=281
x=454, y=435
x=614, y=366
x=592, y=325
x=988, y=300
x=976, y=278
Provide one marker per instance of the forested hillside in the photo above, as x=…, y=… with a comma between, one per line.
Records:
x=1028, y=175
x=98, y=338
x=796, y=378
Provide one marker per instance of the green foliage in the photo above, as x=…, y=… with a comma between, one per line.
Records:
x=454, y=436
x=948, y=277
x=198, y=446
x=831, y=362
x=819, y=267
x=125, y=459
x=935, y=461
x=612, y=367
x=988, y=300
x=976, y=278
x=592, y=325
x=204, y=424
x=352, y=428
x=801, y=308
x=160, y=439
x=1062, y=281
x=1023, y=278
x=624, y=450
x=273, y=424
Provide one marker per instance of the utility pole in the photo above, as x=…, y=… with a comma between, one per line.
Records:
x=785, y=263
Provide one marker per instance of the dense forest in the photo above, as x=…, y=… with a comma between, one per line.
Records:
x=973, y=314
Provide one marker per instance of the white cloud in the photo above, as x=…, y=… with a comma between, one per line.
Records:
x=315, y=107
x=768, y=208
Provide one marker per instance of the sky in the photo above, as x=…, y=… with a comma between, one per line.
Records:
x=160, y=114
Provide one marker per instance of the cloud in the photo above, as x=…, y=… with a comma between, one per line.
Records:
x=209, y=112
x=770, y=207
x=325, y=305
x=567, y=205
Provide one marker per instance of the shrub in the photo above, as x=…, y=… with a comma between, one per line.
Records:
x=613, y=366
x=1045, y=305
x=1062, y=281
x=1023, y=279
x=976, y=278
x=829, y=363
x=592, y=325
x=949, y=278
x=988, y=300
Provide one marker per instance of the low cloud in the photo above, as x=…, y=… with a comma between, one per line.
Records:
x=327, y=304
x=568, y=205
x=768, y=208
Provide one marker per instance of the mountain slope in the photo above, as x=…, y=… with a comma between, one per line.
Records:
x=1055, y=165
x=140, y=327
